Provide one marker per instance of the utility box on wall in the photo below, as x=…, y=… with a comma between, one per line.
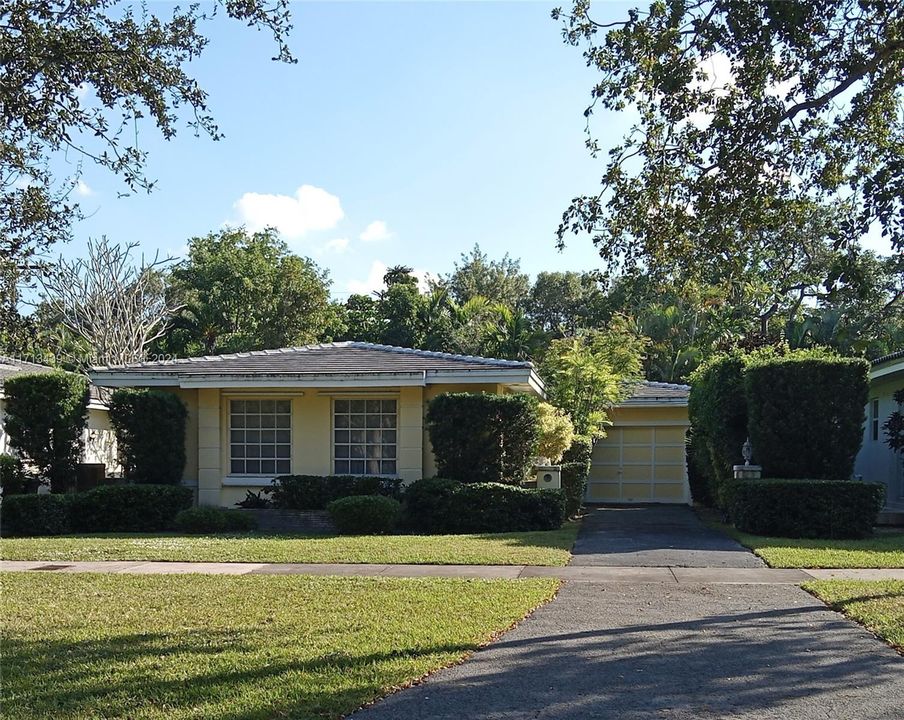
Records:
x=549, y=477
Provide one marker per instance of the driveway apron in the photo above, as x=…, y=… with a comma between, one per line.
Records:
x=655, y=536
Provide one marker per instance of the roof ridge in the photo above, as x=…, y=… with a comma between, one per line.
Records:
x=656, y=383
x=439, y=354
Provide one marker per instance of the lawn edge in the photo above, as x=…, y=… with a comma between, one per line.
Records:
x=494, y=637
x=836, y=609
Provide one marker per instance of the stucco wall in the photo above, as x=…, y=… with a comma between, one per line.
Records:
x=875, y=461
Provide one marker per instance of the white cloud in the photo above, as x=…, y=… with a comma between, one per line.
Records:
x=310, y=209
x=83, y=189
x=337, y=245
x=375, y=232
x=374, y=280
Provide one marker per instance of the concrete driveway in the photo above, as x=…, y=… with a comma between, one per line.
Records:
x=655, y=536
x=632, y=652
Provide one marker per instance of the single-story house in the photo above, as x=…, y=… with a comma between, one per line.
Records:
x=99, y=438
x=353, y=408
x=876, y=462
x=642, y=457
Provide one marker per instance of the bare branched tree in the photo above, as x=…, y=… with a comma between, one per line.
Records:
x=117, y=305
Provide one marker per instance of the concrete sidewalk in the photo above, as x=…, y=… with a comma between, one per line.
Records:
x=572, y=573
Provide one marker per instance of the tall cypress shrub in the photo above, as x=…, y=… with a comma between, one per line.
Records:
x=483, y=437
x=46, y=414
x=805, y=413
x=150, y=433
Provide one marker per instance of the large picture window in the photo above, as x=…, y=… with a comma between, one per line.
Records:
x=365, y=437
x=260, y=437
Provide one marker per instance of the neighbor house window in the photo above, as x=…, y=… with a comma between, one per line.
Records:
x=260, y=437
x=874, y=419
x=365, y=437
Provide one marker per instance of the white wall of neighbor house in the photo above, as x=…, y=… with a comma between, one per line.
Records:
x=876, y=462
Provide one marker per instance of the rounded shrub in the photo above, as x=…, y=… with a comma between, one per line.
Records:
x=206, y=519
x=315, y=492
x=365, y=514
x=12, y=475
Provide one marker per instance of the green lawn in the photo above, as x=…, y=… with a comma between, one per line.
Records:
x=877, y=604
x=884, y=550
x=531, y=548
x=252, y=647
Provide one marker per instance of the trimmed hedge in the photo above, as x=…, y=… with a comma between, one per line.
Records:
x=150, y=434
x=575, y=469
x=805, y=508
x=45, y=416
x=483, y=437
x=717, y=408
x=805, y=413
x=129, y=508
x=315, y=492
x=35, y=514
x=697, y=472
x=439, y=505
x=365, y=514
x=214, y=520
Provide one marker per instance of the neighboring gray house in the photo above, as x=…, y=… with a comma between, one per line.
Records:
x=100, y=440
x=876, y=462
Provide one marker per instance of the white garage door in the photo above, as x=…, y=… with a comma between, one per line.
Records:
x=639, y=464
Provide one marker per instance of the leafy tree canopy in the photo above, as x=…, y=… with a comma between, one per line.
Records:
x=762, y=126
x=79, y=77
x=501, y=281
x=242, y=291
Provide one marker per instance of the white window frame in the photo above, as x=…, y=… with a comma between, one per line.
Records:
x=282, y=465
x=337, y=462
x=874, y=419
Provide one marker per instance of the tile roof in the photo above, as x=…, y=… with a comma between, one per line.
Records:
x=323, y=359
x=888, y=358
x=648, y=392
x=10, y=367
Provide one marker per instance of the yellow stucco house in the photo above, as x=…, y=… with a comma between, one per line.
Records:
x=358, y=408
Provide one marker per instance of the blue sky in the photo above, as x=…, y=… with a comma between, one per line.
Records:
x=450, y=123
x=406, y=133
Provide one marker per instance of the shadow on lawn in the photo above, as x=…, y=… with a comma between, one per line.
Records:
x=225, y=675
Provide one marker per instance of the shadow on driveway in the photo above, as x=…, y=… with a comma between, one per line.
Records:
x=655, y=536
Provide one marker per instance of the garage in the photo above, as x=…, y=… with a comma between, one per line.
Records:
x=642, y=457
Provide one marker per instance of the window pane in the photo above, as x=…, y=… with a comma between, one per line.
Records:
x=373, y=421
x=389, y=436
x=253, y=451
x=389, y=406
x=282, y=451
x=358, y=436
x=342, y=406
x=357, y=451
x=358, y=406
x=373, y=406
x=388, y=421
x=252, y=406
x=342, y=467
x=341, y=421
x=282, y=466
x=373, y=467
x=238, y=451
x=356, y=421
x=283, y=421
x=373, y=451
x=268, y=406
x=284, y=407
x=268, y=436
x=356, y=467
x=237, y=436
x=253, y=467
x=342, y=451
x=341, y=436
x=374, y=436
x=283, y=436
x=389, y=451
x=268, y=466
x=252, y=437
x=253, y=421
x=268, y=421
x=238, y=466
x=389, y=467
x=237, y=406
x=268, y=451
